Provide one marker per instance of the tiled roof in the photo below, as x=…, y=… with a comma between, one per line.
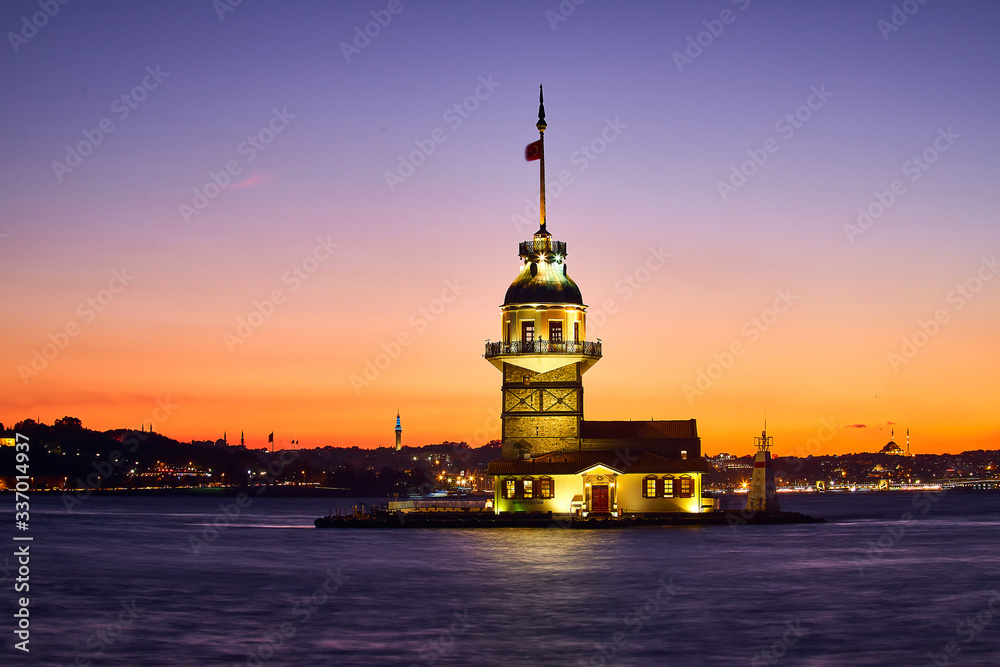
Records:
x=571, y=463
x=634, y=430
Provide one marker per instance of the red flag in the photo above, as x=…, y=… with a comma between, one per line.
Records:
x=270, y=438
x=533, y=151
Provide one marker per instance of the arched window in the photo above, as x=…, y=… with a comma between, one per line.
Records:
x=508, y=488
x=649, y=486
x=687, y=487
x=546, y=487
x=668, y=486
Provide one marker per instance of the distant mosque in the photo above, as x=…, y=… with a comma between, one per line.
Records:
x=892, y=448
x=552, y=459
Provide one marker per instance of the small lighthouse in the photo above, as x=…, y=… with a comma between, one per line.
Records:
x=399, y=433
x=763, y=493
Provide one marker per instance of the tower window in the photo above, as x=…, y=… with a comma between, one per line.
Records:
x=576, y=332
x=527, y=331
x=555, y=332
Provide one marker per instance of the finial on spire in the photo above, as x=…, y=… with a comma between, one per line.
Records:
x=541, y=125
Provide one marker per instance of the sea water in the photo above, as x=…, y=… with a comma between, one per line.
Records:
x=893, y=578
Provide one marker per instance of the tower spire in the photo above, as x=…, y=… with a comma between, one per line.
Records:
x=399, y=432
x=541, y=125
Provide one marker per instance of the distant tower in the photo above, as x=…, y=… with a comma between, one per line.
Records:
x=763, y=493
x=907, y=441
x=241, y=439
x=399, y=433
x=543, y=351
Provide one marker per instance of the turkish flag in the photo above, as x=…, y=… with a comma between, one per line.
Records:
x=533, y=151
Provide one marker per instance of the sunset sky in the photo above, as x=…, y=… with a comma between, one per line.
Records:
x=129, y=255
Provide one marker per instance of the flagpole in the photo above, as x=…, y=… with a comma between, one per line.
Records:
x=541, y=125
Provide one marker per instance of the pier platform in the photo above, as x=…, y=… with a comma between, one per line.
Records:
x=383, y=519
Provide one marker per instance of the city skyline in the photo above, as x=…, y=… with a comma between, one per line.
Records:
x=769, y=210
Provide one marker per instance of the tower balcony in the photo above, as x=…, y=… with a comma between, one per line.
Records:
x=543, y=355
x=541, y=246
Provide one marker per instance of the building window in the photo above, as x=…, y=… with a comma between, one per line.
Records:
x=649, y=487
x=527, y=331
x=668, y=487
x=687, y=487
x=528, y=489
x=546, y=488
x=508, y=487
x=576, y=332
x=555, y=332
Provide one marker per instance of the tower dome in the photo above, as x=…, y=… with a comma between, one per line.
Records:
x=543, y=277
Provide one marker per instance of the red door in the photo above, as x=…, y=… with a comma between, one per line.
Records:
x=599, y=498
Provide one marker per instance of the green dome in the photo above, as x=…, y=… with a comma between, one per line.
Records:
x=543, y=281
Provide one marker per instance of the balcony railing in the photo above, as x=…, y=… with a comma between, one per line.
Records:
x=542, y=346
x=542, y=247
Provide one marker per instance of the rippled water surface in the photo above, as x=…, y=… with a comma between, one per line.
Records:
x=891, y=579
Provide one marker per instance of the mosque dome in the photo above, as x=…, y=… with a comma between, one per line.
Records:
x=891, y=448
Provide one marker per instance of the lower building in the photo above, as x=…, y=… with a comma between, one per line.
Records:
x=607, y=482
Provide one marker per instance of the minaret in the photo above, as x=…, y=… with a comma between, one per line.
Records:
x=907, y=440
x=399, y=433
x=763, y=493
x=241, y=439
x=543, y=351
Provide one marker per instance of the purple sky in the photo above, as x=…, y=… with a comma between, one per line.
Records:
x=676, y=128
